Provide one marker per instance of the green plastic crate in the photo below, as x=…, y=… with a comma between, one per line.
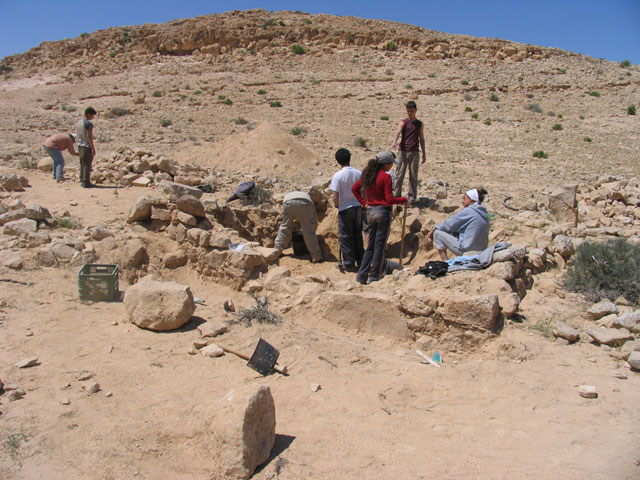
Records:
x=98, y=282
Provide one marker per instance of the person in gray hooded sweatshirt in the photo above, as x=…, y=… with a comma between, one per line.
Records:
x=467, y=230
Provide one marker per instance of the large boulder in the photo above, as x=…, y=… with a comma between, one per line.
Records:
x=478, y=311
x=141, y=210
x=12, y=182
x=609, y=336
x=12, y=216
x=37, y=213
x=243, y=429
x=10, y=259
x=173, y=190
x=45, y=164
x=354, y=311
x=563, y=204
x=24, y=226
x=159, y=305
x=191, y=205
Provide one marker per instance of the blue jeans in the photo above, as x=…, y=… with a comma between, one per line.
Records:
x=350, y=236
x=372, y=266
x=58, y=161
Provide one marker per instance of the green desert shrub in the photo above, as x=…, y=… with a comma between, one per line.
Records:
x=258, y=196
x=156, y=93
x=632, y=110
x=391, y=46
x=298, y=49
x=606, y=271
x=588, y=139
x=228, y=101
x=240, y=121
x=475, y=116
x=384, y=117
x=360, y=142
x=275, y=104
x=464, y=82
x=298, y=131
x=594, y=93
x=468, y=109
x=165, y=122
x=262, y=91
x=540, y=154
x=113, y=112
x=494, y=98
x=534, y=107
x=557, y=126
x=625, y=64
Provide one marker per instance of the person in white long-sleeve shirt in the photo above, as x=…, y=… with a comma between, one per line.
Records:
x=467, y=230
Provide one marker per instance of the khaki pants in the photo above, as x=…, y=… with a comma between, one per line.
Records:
x=412, y=161
x=305, y=213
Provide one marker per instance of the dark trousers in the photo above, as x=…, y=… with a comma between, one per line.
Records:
x=350, y=235
x=86, y=157
x=372, y=265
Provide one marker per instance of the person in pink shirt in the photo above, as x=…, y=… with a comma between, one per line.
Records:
x=54, y=146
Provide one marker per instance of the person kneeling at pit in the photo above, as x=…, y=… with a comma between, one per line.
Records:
x=467, y=230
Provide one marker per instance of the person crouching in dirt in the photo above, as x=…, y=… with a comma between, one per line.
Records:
x=299, y=206
x=378, y=199
x=467, y=230
x=349, y=212
x=54, y=146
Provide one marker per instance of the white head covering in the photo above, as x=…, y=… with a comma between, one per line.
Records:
x=473, y=195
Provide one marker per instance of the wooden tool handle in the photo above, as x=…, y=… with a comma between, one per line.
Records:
x=278, y=368
x=404, y=223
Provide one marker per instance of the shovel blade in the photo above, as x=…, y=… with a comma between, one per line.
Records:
x=264, y=358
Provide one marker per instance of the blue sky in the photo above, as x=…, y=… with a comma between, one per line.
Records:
x=607, y=29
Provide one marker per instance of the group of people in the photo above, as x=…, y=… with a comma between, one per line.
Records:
x=373, y=191
x=83, y=136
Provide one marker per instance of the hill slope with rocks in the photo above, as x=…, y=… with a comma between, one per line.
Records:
x=188, y=110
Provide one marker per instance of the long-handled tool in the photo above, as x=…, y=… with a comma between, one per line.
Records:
x=404, y=224
x=263, y=360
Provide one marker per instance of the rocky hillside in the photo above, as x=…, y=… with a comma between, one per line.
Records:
x=271, y=33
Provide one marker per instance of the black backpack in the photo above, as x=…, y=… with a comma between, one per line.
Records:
x=434, y=269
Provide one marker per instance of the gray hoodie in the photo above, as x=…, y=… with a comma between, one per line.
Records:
x=471, y=225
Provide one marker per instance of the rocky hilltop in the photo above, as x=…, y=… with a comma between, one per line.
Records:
x=272, y=33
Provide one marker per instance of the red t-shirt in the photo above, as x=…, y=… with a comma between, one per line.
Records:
x=378, y=194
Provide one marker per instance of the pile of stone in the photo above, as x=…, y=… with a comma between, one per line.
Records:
x=143, y=169
x=212, y=249
x=610, y=206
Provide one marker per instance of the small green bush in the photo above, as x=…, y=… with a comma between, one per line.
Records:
x=360, y=142
x=258, y=196
x=307, y=21
x=240, y=121
x=534, y=107
x=557, y=126
x=391, y=46
x=228, y=101
x=540, y=154
x=70, y=223
x=625, y=64
x=384, y=117
x=408, y=86
x=562, y=70
x=190, y=119
x=114, y=112
x=588, y=139
x=594, y=93
x=275, y=104
x=475, y=116
x=298, y=131
x=468, y=109
x=494, y=98
x=298, y=49
x=487, y=121
x=388, y=71
x=529, y=95
x=262, y=91
x=464, y=82
x=156, y=93
x=221, y=97
x=269, y=22
x=113, y=54
x=606, y=271
x=632, y=110
x=432, y=75
x=165, y=122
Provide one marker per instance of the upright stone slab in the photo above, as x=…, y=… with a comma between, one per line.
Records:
x=243, y=429
x=563, y=204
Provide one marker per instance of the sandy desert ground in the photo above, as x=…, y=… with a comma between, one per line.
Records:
x=504, y=407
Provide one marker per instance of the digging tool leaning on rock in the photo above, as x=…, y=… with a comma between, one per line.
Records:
x=299, y=206
x=467, y=230
x=86, y=148
x=54, y=145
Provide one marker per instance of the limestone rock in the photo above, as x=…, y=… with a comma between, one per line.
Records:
x=277, y=275
x=191, y=205
x=270, y=255
x=141, y=182
x=12, y=182
x=630, y=321
x=588, y=391
x=141, y=210
x=37, y=213
x=414, y=224
x=562, y=204
x=562, y=330
x=211, y=350
x=12, y=215
x=599, y=310
x=219, y=240
x=159, y=305
x=45, y=164
x=24, y=226
x=27, y=362
x=99, y=233
x=63, y=252
x=11, y=260
x=609, y=336
x=46, y=258
x=244, y=429
x=174, y=259
x=563, y=246
x=479, y=311
x=509, y=304
x=504, y=270
x=634, y=360
x=211, y=329
x=173, y=190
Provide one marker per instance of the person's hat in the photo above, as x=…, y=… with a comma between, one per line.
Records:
x=385, y=156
